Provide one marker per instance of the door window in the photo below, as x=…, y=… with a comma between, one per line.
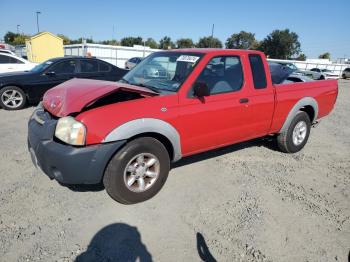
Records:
x=66, y=67
x=13, y=60
x=104, y=67
x=88, y=66
x=222, y=75
x=4, y=59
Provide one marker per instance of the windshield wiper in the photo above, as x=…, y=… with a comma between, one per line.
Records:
x=149, y=87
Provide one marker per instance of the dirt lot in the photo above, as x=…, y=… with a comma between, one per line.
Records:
x=247, y=202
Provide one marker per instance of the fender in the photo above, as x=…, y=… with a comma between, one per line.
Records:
x=306, y=101
x=147, y=125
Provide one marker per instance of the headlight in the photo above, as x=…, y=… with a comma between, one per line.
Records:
x=70, y=131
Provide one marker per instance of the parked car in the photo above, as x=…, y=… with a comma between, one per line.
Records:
x=13, y=63
x=294, y=78
x=325, y=73
x=16, y=89
x=126, y=134
x=346, y=73
x=132, y=62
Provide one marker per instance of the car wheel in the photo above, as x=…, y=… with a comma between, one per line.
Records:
x=295, y=137
x=138, y=171
x=12, y=98
x=344, y=76
x=322, y=77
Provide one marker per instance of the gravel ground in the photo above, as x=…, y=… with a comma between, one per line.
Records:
x=247, y=202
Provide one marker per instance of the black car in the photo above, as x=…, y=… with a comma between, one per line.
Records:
x=19, y=88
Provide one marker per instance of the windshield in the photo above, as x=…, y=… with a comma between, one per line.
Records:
x=42, y=66
x=163, y=71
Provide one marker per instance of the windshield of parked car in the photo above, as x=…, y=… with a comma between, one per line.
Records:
x=163, y=71
x=41, y=67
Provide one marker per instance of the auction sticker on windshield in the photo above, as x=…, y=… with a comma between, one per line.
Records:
x=187, y=58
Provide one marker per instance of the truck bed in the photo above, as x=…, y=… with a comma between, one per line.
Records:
x=287, y=95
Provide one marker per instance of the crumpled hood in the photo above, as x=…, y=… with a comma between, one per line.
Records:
x=74, y=95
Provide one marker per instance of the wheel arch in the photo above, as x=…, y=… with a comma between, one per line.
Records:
x=307, y=104
x=151, y=127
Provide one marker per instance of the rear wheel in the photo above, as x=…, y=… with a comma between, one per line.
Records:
x=344, y=76
x=12, y=98
x=138, y=171
x=295, y=137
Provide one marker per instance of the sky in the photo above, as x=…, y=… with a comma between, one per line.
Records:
x=322, y=25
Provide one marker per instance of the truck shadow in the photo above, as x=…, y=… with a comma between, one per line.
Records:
x=267, y=142
x=203, y=250
x=116, y=242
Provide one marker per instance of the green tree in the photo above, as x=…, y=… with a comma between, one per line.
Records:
x=20, y=39
x=66, y=40
x=166, y=43
x=281, y=44
x=9, y=37
x=301, y=57
x=151, y=43
x=242, y=40
x=131, y=41
x=15, y=39
x=109, y=42
x=209, y=42
x=184, y=43
x=326, y=55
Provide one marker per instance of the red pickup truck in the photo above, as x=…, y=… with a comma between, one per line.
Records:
x=173, y=104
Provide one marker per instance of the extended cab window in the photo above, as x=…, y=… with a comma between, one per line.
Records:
x=66, y=67
x=258, y=71
x=222, y=74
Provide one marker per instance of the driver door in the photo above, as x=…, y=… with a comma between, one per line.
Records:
x=222, y=117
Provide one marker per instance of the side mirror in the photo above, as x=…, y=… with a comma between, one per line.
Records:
x=200, y=89
x=50, y=73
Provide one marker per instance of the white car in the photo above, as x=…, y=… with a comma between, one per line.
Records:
x=12, y=63
x=325, y=73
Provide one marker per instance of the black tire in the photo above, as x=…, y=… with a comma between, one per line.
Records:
x=344, y=76
x=12, y=104
x=285, y=139
x=113, y=179
x=322, y=77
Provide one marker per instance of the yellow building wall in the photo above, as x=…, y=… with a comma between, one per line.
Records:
x=44, y=47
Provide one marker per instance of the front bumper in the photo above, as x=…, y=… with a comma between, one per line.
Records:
x=65, y=163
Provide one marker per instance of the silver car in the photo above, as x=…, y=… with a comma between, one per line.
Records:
x=132, y=62
x=325, y=73
x=346, y=73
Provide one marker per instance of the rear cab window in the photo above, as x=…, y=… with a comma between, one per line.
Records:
x=258, y=71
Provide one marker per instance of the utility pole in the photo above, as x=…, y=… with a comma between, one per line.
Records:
x=18, y=28
x=212, y=36
x=37, y=20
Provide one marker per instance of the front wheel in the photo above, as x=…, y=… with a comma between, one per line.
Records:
x=344, y=76
x=138, y=171
x=12, y=98
x=295, y=137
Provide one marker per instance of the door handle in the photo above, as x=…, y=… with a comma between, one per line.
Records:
x=243, y=100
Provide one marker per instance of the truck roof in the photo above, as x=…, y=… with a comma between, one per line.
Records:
x=216, y=50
